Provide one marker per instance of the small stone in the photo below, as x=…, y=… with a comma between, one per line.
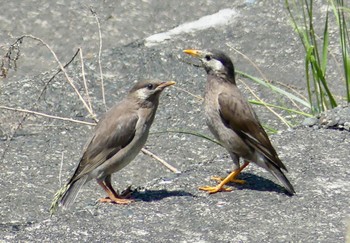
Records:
x=310, y=121
x=323, y=120
x=331, y=123
x=316, y=127
x=341, y=121
x=3, y=136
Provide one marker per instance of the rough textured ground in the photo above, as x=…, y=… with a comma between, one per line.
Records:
x=168, y=206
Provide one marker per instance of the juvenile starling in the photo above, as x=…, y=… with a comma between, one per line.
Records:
x=234, y=123
x=118, y=138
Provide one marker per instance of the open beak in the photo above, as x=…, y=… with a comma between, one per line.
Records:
x=165, y=84
x=192, y=52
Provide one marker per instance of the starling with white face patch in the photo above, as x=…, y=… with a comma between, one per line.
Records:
x=234, y=123
x=118, y=138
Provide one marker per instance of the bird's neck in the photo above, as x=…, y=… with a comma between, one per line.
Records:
x=149, y=104
x=149, y=112
x=221, y=77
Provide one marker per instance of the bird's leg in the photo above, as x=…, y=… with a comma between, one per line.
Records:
x=127, y=192
x=113, y=197
x=230, y=178
x=124, y=195
x=235, y=160
x=220, y=179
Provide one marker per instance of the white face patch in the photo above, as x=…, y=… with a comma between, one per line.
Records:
x=215, y=65
x=142, y=94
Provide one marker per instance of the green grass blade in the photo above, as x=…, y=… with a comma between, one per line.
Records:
x=294, y=23
x=325, y=85
x=347, y=75
x=197, y=134
x=344, y=42
x=325, y=46
x=275, y=89
x=270, y=130
x=255, y=102
x=308, y=80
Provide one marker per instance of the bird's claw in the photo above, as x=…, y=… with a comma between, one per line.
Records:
x=220, y=179
x=215, y=189
x=126, y=193
x=122, y=201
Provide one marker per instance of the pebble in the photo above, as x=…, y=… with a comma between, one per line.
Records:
x=338, y=118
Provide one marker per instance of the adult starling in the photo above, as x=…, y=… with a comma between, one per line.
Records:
x=118, y=138
x=234, y=123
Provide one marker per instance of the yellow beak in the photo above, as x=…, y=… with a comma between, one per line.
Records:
x=166, y=84
x=192, y=52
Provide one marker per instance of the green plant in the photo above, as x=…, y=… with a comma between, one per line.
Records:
x=339, y=12
x=316, y=50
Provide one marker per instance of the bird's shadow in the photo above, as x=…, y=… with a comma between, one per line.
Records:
x=258, y=183
x=157, y=195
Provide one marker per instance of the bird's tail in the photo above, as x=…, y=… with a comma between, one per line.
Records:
x=276, y=172
x=67, y=194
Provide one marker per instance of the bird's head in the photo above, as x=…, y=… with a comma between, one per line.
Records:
x=215, y=62
x=147, y=92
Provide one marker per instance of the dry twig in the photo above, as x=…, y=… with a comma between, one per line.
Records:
x=145, y=151
x=69, y=80
x=87, y=106
x=16, y=46
x=30, y=112
x=99, y=56
x=170, y=167
x=267, y=107
x=84, y=79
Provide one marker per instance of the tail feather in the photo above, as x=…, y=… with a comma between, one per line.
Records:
x=67, y=194
x=277, y=172
x=274, y=169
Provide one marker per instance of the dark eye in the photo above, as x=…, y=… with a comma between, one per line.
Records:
x=207, y=57
x=149, y=86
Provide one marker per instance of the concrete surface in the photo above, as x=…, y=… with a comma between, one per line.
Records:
x=168, y=206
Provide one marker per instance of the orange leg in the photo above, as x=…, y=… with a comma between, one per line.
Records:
x=219, y=179
x=230, y=178
x=113, y=197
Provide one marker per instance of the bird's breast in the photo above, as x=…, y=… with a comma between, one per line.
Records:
x=124, y=156
x=212, y=113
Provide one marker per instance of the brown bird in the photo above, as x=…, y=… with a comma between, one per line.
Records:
x=118, y=138
x=234, y=123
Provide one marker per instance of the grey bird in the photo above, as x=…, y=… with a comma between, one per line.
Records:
x=234, y=123
x=118, y=138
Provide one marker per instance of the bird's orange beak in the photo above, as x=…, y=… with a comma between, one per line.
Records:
x=166, y=84
x=192, y=52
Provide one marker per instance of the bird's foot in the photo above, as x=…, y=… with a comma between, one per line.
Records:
x=116, y=200
x=220, y=179
x=123, y=198
x=126, y=193
x=215, y=189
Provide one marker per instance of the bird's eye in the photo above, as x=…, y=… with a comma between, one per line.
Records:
x=149, y=86
x=207, y=57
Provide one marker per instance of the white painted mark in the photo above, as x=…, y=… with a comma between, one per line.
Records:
x=221, y=18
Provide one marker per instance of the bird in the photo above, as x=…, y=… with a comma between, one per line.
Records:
x=233, y=122
x=119, y=136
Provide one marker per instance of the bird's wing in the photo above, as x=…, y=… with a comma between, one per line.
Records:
x=241, y=118
x=115, y=130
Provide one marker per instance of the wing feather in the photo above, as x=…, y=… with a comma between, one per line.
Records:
x=241, y=118
x=114, y=131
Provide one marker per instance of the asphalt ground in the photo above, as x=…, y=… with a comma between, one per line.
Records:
x=169, y=208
